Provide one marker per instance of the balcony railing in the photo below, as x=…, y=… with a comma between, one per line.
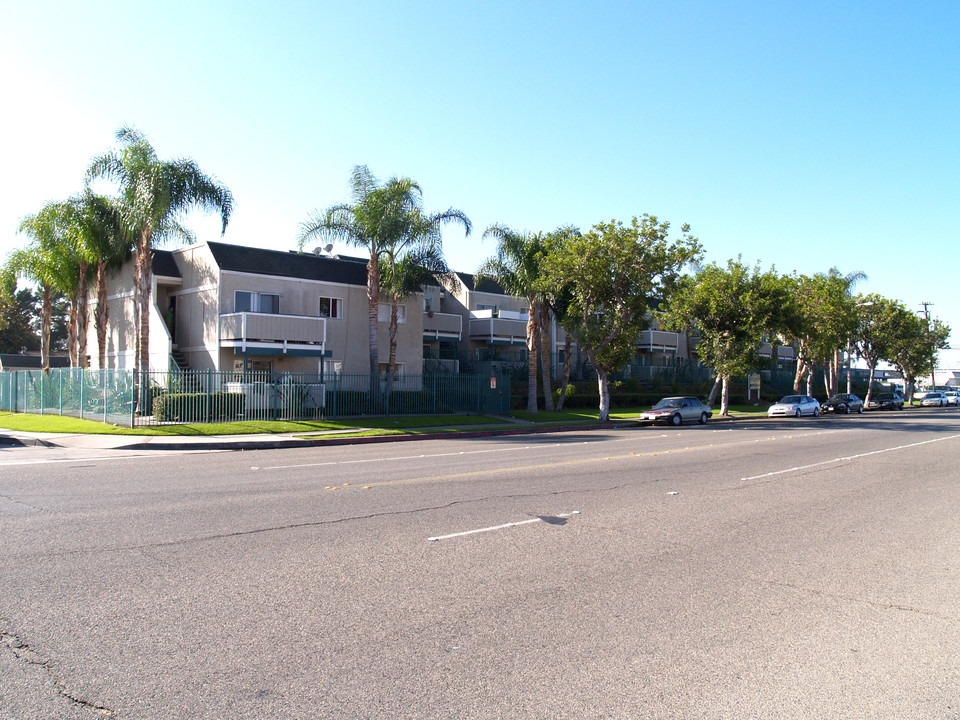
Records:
x=784, y=352
x=447, y=325
x=659, y=341
x=250, y=327
x=499, y=330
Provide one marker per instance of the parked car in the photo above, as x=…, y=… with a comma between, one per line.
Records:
x=795, y=405
x=674, y=410
x=935, y=398
x=886, y=401
x=843, y=403
x=953, y=397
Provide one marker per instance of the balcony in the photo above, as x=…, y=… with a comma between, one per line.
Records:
x=784, y=352
x=269, y=334
x=659, y=341
x=445, y=326
x=504, y=328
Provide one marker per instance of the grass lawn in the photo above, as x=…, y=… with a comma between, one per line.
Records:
x=29, y=422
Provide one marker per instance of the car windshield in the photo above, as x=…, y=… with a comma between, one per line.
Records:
x=668, y=403
x=836, y=398
x=790, y=400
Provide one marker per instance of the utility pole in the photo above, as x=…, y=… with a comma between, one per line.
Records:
x=933, y=361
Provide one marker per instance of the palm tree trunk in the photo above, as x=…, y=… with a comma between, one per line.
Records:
x=394, y=324
x=45, y=330
x=545, y=356
x=532, y=336
x=143, y=282
x=83, y=319
x=102, y=313
x=373, y=310
x=72, y=315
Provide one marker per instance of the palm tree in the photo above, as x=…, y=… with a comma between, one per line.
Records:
x=46, y=261
x=516, y=268
x=377, y=219
x=415, y=259
x=155, y=194
x=104, y=244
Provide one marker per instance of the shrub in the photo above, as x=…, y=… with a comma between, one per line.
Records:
x=198, y=407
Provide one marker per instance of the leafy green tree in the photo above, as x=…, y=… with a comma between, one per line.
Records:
x=614, y=273
x=824, y=323
x=17, y=312
x=916, y=343
x=517, y=268
x=555, y=300
x=878, y=320
x=377, y=219
x=155, y=195
x=734, y=307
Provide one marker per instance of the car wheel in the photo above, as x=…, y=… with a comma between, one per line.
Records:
x=798, y=413
x=860, y=410
x=676, y=419
x=847, y=409
x=816, y=412
x=703, y=418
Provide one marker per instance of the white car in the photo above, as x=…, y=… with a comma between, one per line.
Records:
x=953, y=397
x=935, y=399
x=795, y=405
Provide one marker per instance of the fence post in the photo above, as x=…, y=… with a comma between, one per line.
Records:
x=210, y=392
x=133, y=396
x=81, y=392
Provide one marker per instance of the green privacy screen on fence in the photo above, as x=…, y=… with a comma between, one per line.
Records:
x=135, y=399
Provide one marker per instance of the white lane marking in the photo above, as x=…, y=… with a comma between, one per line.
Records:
x=446, y=454
x=850, y=457
x=498, y=527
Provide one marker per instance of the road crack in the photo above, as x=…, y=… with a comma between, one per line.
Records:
x=901, y=607
x=27, y=655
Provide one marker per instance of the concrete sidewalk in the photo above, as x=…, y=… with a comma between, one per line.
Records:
x=273, y=441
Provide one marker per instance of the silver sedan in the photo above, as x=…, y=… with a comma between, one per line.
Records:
x=795, y=405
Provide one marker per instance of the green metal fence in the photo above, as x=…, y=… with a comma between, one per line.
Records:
x=135, y=399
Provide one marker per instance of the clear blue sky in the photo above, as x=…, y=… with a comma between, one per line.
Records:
x=801, y=135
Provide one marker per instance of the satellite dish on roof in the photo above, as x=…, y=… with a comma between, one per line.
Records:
x=326, y=249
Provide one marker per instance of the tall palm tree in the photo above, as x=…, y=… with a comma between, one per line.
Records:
x=414, y=259
x=377, y=219
x=516, y=268
x=155, y=194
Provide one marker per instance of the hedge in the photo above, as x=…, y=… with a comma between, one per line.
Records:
x=198, y=407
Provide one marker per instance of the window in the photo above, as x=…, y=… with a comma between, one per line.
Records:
x=384, y=310
x=268, y=303
x=331, y=307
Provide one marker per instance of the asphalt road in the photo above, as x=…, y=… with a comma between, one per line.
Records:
x=754, y=569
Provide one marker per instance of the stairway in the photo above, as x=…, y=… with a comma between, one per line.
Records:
x=180, y=359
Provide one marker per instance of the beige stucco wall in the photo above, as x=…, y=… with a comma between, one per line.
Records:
x=120, y=340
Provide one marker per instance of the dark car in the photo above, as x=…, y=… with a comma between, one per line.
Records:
x=886, y=401
x=674, y=410
x=843, y=403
